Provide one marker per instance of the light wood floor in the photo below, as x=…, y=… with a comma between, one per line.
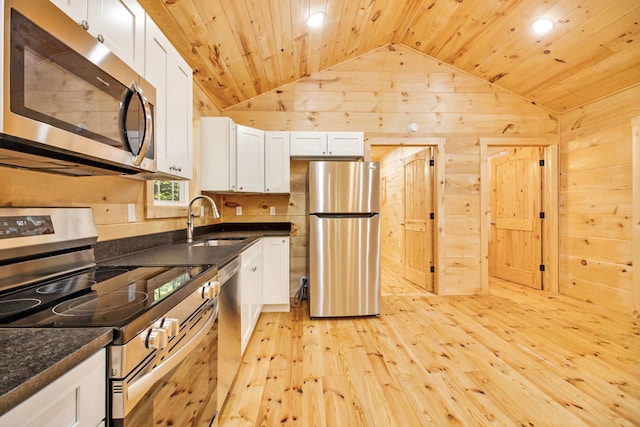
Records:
x=513, y=357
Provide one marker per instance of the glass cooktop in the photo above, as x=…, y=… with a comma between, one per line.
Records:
x=101, y=296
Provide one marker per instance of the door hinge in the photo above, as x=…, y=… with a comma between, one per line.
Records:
x=431, y=162
x=432, y=269
x=541, y=215
x=542, y=162
x=432, y=215
x=541, y=267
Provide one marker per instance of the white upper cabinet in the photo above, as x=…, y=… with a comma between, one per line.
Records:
x=310, y=144
x=345, y=144
x=232, y=156
x=277, y=169
x=327, y=144
x=119, y=24
x=237, y=158
x=250, y=159
x=172, y=77
x=217, y=154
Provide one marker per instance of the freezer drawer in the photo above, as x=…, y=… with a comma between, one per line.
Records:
x=344, y=266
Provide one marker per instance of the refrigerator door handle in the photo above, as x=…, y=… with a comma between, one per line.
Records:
x=346, y=215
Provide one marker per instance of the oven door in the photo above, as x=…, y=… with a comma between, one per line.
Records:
x=175, y=386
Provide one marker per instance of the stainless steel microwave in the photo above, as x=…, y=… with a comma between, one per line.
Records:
x=69, y=105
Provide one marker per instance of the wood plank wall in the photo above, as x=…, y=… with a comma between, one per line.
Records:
x=596, y=202
x=380, y=93
x=108, y=197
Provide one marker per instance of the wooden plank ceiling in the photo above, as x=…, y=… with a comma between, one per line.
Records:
x=240, y=49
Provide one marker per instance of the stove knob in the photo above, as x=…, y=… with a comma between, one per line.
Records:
x=211, y=290
x=157, y=338
x=216, y=288
x=172, y=326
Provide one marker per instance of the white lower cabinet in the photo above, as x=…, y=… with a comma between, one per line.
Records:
x=77, y=398
x=264, y=282
x=250, y=280
x=275, y=261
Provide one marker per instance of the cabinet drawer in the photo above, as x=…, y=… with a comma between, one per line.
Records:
x=249, y=255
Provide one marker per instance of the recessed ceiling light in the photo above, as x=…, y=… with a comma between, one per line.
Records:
x=543, y=25
x=315, y=19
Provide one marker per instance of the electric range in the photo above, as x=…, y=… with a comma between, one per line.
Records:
x=159, y=314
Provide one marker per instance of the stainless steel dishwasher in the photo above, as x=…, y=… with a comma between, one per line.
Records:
x=229, y=332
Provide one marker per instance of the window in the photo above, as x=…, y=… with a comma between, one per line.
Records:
x=170, y=192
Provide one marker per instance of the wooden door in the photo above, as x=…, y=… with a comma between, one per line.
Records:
x=515, y=248
x=418, y=227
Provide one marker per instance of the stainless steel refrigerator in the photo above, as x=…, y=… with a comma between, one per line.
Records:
x=344, y=239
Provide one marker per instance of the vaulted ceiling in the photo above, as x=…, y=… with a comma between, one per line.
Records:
x=240, y=49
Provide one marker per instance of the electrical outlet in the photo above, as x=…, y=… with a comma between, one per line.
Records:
x=272, y=210
x=238, y=210
x=131, y=212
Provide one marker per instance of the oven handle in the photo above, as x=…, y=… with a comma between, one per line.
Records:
x=136, y=390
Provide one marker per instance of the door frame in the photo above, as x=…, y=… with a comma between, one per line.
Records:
x=550, y=184
x=438, y=203
x=635, y=237
x=429, y=285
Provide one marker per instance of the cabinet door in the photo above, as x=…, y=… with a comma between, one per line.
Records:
x=180, y=117
x=277, y=168
x=120, y=23
x=250, y=159
x=77, y=398
x=345, y=144
x=75, y=9
x=217, y=154
x=171, y=76
x=250, y=282
x=308, y=144
x=276, y=274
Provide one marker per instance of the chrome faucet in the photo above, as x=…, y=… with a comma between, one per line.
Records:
x=216, y=214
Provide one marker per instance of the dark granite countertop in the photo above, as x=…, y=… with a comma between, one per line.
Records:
x=181, y=254
x=34, y=358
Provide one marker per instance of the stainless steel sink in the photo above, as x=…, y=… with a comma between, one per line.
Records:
x=221, y=241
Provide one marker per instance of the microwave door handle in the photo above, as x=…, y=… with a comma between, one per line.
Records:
x=134, y=89
x=148, y=127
